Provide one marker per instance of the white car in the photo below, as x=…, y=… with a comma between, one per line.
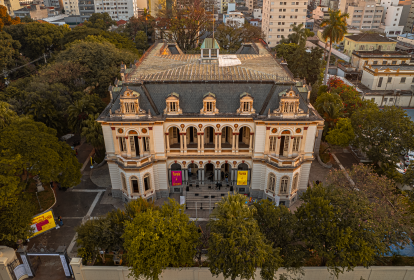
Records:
x=400, y=168
x=408, y=160
x=409, y=154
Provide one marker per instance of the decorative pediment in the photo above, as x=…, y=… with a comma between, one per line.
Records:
x=246, y=104
x=209, y=104
x=129, y=104
x=173, y=104
x=288, y=105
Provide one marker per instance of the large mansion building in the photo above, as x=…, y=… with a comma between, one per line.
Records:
x=205, y=118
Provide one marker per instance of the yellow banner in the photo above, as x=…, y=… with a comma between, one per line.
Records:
x=242, y=178
x=43, y=222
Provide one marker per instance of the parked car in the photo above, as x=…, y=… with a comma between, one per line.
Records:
x=400, y=168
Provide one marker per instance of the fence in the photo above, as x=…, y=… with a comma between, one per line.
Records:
x=201, y=273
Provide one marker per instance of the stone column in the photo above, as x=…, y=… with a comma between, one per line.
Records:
x=234, y=177
x=202, y=142
x=141, y=147
x=237, y=142
x=151, y=137
x=216, y=144
x=233, y=144
x=219, y=142
x=128, y=147
x=167, y=142
x=267, y=140
x=199, y=175
x=303, y=140
x=251, y=142
x=185, y=142
x=198, y=142
x=181, y=143
x=202, y=176
x=290, y=146
x=278, y=145
x=185, y=176
x=76, y=264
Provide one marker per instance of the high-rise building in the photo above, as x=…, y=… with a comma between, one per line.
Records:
x=71, y=7
x=278, y=17
x=410, y=20
x=365, y=15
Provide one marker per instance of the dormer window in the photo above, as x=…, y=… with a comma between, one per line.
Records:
x=173, y=104
x=209, y=104
x=129, y=104
x=288, y=105
x=246, y=104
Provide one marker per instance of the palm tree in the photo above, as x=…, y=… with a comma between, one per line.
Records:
x=299, y=35
x=92, y=131
x=335, y=30
x=79, y=111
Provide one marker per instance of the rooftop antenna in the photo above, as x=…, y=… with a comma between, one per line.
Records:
x=213, y=23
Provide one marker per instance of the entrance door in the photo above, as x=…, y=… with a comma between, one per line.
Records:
x=286, y=146
x=137, y=151
x=209, y=171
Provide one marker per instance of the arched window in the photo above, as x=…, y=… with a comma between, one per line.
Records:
x=124, y=185
x=295, y=182
x=134, y=184
x=271, y=186
x=147, y=182
x=284, y=185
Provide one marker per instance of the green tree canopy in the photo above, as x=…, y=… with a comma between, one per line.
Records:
x=100, y=21
x=330, y=107
x=5, y=19
x=298, y=36
x=236, y=247
x=159, y=239
x=37, y=38
x=338, y=227
x=41, y=151
x=231, y=37
x=102, y=60
x=383, y=134
x=92, y=132
x=9, y=50
x=342, y=134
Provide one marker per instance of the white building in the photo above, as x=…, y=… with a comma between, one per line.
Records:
x=257, y=13
x=406, y=38
x=277, y=18
x=235, y=19
x=169, y=128
x=71, y=7
x=117, y=10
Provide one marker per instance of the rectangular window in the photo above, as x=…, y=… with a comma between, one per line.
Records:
x=402, y=80
x=272, y=144
x=385, y=100
x=295, y=147
x=209, y=106
x=394, y=62
x=412, y=80
x=391, y=99
x=122, y=144
x=146, y=144
x=173, y=106
x=389, y=80
x=380, y=81
x=375, y=62
x=384, y=62
x=246, y=106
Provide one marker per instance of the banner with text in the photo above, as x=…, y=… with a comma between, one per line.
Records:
x=176, y=178
x=43, y=222
x=242, y=178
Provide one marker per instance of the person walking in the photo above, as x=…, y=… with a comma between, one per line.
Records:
x=60, y=221
x=227, y=177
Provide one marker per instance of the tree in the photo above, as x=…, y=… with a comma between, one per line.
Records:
x=16, y=220
x=335, y=30
x=186, y=23
x=41, y=151
x=159, y=239
x=6, y=115
x=100, y=21
x=330, y=107
x=342, y=134
x=279, y=226
x=102, y=60
x=141, y=40
x=5, y=19
x=145, y=23
x=236, y=245
x=231, y=37
x=9, y=50
x=92, y=132
x=383, y=134
x=37, y=38
x=339, y=228
x=388, y=205
x=299, y=35
x=79, y=112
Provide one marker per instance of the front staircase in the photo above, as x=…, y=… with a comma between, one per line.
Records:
x=204, y=197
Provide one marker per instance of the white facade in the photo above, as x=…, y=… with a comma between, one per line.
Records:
x=406, y=38
x=257, y=13
x=388, y=77
x=118, y=10
x=365, y=15
x=392, y=15
x=234, y=19
x=277, y=18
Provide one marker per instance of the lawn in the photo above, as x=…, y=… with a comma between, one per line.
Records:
x=46, y=197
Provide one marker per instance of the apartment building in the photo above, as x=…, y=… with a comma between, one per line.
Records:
x=365, y=15
x=71, y=7
x=278, y=17
x=409, y=26
x=320, y=13
x=11, y=5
